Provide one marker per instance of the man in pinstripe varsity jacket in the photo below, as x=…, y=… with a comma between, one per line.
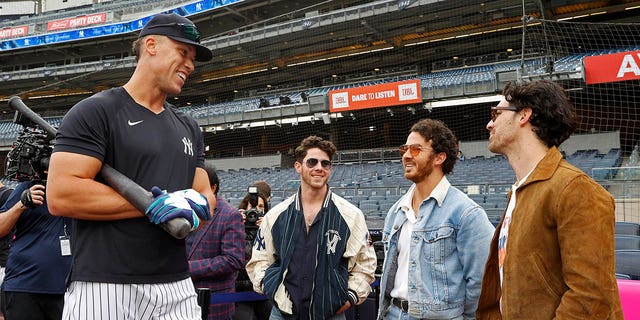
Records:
x=314, y=237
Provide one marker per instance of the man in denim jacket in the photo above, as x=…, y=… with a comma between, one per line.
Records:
x=436, y=239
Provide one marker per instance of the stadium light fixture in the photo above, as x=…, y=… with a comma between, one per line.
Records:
x=340, y=56
x=294, y=121
x=232, y=75
x=460, y=102
x=326, y=119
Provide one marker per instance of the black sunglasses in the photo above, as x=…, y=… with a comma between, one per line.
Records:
x=189, y=30
x=313, y=162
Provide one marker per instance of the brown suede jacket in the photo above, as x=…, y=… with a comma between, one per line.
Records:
x=560, y=260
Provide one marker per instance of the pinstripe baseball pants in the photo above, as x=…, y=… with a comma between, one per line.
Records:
x=102, y=301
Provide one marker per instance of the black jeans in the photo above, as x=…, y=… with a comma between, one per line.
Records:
x=32, y=306
x=252, y=310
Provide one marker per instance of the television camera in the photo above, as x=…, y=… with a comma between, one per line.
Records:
x=30, y=153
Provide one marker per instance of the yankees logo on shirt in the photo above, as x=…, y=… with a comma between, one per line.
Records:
x=188, y=146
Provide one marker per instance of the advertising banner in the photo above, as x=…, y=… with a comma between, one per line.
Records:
x=56, y=37
x=375, y=96
x=14, y=32
x=76, y=22
x=612, y=67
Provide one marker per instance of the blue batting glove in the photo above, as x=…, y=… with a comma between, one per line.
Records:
x=199, y=203
x=167, y=206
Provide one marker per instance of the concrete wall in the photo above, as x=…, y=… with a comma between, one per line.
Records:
x=10, y=8
x=603, y=142
x=51, y=5
x=247, y=162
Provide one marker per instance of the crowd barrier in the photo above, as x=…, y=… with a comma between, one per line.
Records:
x=629, y=297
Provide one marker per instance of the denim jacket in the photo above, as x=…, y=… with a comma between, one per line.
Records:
x=448, y=251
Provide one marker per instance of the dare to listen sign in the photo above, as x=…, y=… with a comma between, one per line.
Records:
x=381, y=95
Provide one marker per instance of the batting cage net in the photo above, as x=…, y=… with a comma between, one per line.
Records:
x=360, y=73
x=365, y=93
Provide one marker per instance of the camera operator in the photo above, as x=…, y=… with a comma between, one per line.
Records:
x=4, y=241
x=252, y=207
x=257, y=210
x=39, y=258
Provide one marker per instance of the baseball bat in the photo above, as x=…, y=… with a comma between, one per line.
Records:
x=127, y=188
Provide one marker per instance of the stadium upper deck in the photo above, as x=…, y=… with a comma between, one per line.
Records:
x=269, y=49
x=260, y=43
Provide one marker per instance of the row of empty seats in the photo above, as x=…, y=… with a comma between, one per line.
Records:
x=388, y=178
x=627, y=250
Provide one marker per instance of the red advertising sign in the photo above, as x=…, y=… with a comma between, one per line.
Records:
x=612, y=67
x=381, y=95
x=14, y=32
x=76, y=22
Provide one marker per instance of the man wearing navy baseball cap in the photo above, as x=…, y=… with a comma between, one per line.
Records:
x=179, y=29
x=124, y=265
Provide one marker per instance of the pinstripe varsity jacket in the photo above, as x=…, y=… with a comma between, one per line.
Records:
x=345, y=262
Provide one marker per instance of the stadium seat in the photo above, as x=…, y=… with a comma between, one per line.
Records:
x=496, y=197
x=477, y=197
x=624, y=241
x=369, y=208
x=630, y=228
x=234, y=201
x=274, y=201
x=276, y=198
x=491, y=204
x=385, y=205
x=628, y=262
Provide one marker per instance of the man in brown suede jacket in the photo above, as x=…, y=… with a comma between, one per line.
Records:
x=552, y=255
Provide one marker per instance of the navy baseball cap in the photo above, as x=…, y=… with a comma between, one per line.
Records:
x=179, y=29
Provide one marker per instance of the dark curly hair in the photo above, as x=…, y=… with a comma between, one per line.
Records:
x=311, y=142
x=554, y=117
x=442, y=140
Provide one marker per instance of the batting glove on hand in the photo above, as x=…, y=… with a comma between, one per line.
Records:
x=199, y=203
x=167, y=206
